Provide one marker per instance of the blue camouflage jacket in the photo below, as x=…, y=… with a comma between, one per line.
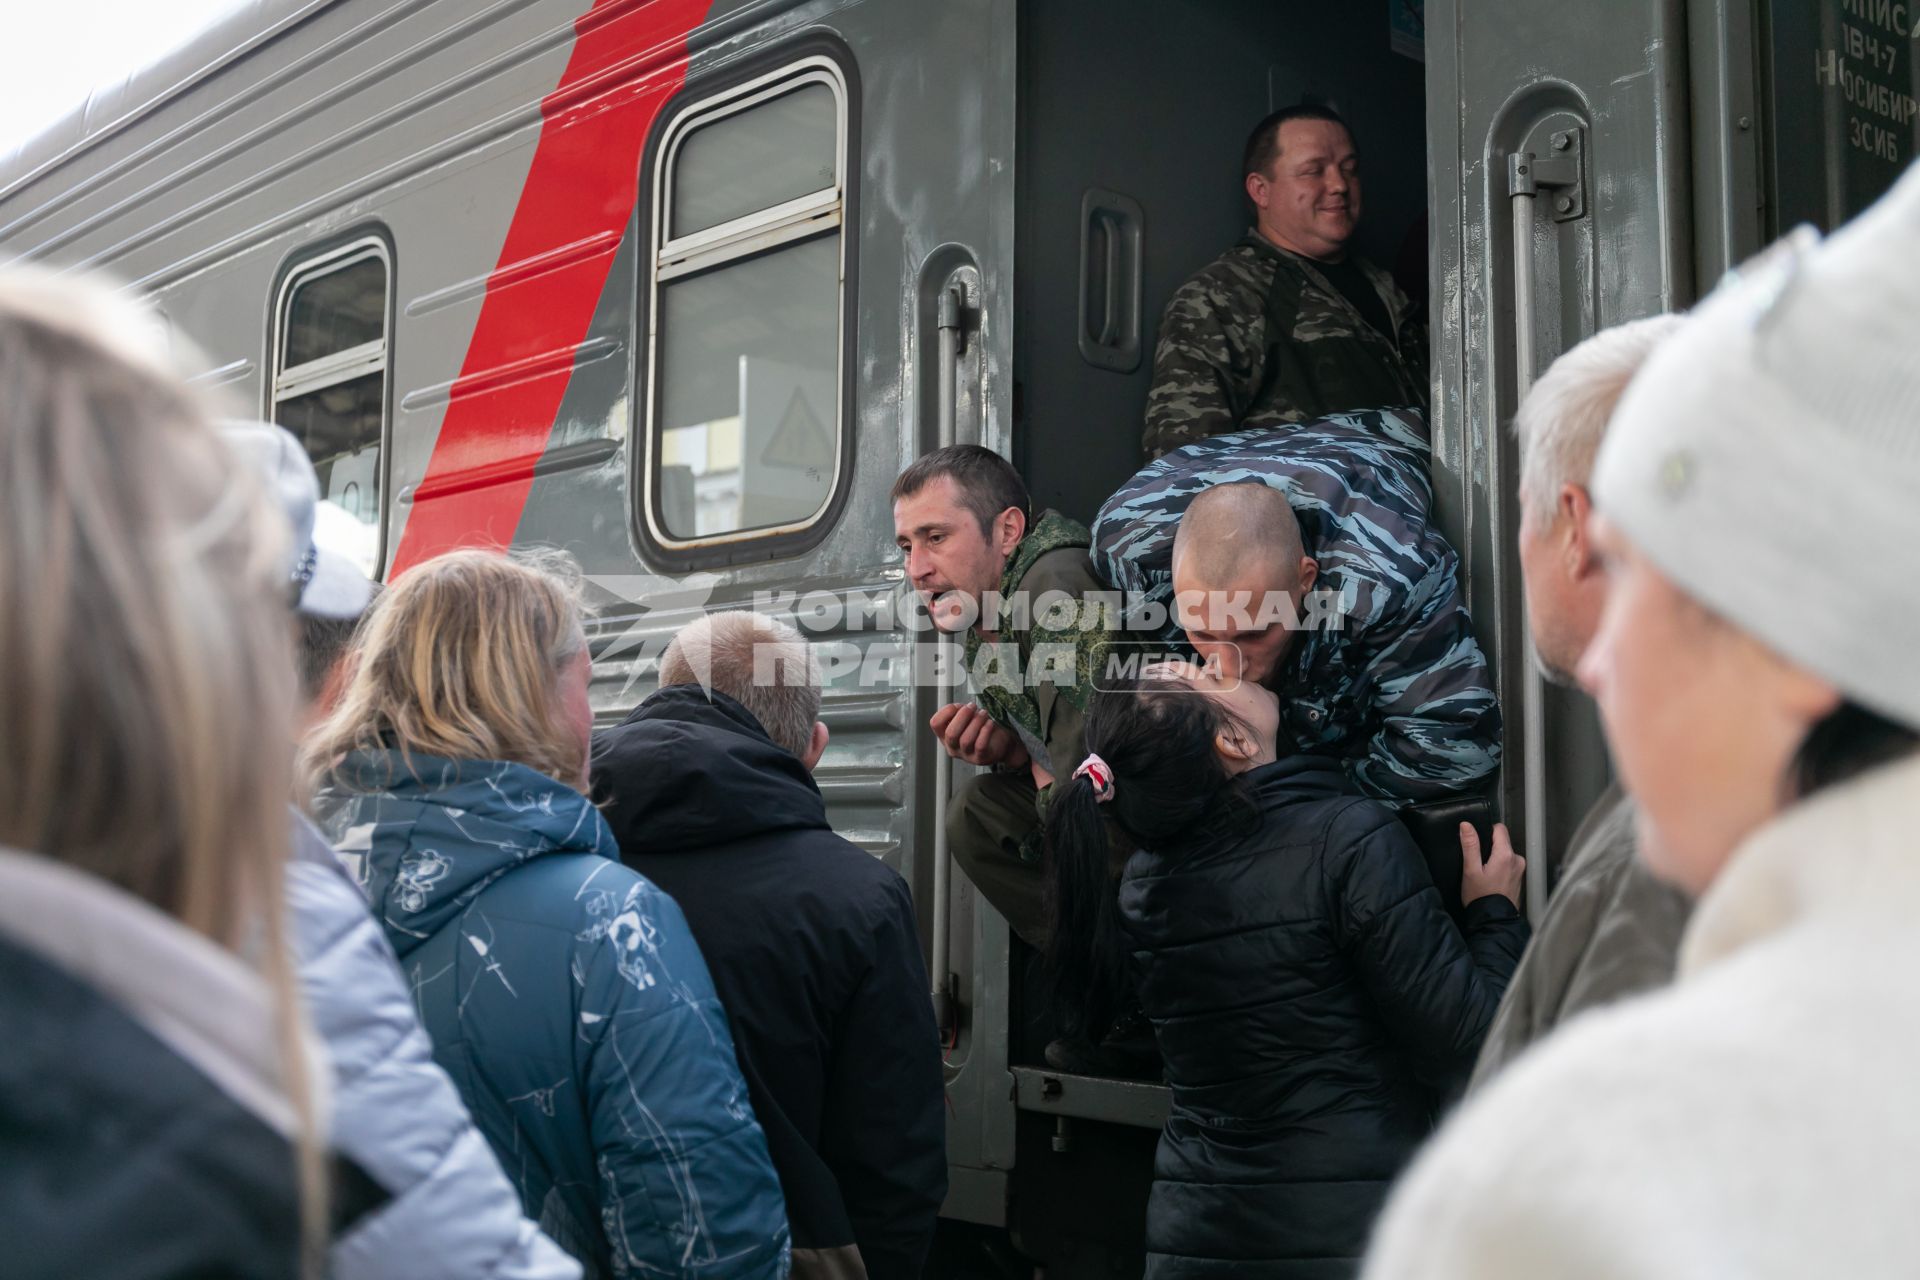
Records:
x=567, y=998
x=1401, y=689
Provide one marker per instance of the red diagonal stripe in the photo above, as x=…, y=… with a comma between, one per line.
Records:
x=582, y=184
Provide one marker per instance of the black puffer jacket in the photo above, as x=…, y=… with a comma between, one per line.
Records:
x=1313, y=1001
x=813, y=949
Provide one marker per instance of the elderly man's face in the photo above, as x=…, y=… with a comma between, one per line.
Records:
x=1309, y=199
x=1557, y=641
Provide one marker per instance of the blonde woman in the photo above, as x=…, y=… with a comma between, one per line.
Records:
x=159, y=1092
x=563, y=993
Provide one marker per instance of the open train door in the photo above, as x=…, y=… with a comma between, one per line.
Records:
x=1561, y=178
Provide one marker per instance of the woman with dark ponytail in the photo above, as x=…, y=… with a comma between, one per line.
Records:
x=1176, y=788
x=1309, y=993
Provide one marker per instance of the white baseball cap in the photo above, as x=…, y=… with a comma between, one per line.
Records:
x=325, y=583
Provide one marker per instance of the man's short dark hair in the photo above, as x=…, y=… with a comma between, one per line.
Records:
x=322, y=642
x=987, y=482
x=1263, y=144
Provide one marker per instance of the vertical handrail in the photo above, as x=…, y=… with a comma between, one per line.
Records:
x=1523, y=288
x=948, y=323
x=1533, y=704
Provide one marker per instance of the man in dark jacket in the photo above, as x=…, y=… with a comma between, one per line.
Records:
x=810, y=940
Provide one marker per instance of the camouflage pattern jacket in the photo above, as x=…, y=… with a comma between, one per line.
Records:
x=1036, y=678
x=1260, y=337
x=1400, y=689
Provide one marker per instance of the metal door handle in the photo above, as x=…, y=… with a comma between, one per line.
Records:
x=1111, y=254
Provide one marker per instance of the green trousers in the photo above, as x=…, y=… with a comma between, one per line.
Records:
x=988, y=818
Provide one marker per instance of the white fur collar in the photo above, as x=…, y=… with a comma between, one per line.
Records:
x=1851, y=849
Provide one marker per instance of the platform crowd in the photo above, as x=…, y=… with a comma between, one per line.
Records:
x=339, y=940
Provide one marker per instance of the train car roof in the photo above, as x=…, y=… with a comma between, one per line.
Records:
x=111, y=107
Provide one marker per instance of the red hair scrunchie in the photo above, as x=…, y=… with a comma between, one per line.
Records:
x=1096, y=769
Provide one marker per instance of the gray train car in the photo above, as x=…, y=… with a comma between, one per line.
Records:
x=681, y=285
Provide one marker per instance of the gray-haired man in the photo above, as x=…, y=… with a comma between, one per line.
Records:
x=811, y=941
x=1612, y=930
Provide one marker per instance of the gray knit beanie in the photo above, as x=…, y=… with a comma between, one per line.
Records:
x=1767, y=457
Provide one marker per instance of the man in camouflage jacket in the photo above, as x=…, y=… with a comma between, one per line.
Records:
x=1037, y=633
x=1287, y=326
x=1400, y=690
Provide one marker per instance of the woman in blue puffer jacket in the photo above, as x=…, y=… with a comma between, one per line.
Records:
x=563, y=992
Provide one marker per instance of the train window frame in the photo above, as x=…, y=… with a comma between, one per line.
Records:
x=283, y=382
x=827, y=211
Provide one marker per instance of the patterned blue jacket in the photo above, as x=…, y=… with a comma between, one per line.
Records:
x=1401, y=690
x=566, y=997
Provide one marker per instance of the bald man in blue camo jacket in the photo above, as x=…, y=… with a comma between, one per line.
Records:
x=1399, y=689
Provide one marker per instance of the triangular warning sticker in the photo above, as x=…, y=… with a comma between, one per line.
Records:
x=800, y=441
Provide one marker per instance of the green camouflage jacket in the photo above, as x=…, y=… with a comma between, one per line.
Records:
x=1259, y=338
x=1036, y=678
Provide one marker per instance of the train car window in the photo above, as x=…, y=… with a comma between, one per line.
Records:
x=744, y=336
x=330, y=376
x=781, y=150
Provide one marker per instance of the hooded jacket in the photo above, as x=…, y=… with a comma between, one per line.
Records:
x=566, y=998
x=453, y=1215
x=1312, y=1000
x=813, y=947
x=1757, y=1118
x=145, y=1133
